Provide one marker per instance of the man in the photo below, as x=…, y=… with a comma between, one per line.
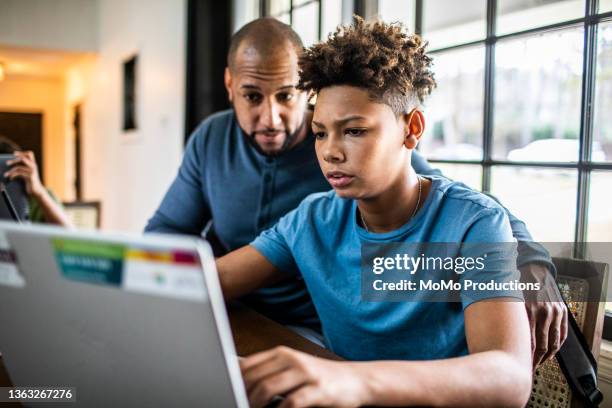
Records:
x=245, y=168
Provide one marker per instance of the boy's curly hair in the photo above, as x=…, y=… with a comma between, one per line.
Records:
x=380, y=57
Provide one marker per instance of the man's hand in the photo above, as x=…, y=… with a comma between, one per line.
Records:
x=302, y=379
x=24, y=166
x=547, y=314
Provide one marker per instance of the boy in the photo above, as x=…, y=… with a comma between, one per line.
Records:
x=368, y=79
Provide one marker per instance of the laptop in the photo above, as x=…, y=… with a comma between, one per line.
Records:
x=123, y=320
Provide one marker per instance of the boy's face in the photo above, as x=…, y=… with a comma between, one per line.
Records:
x=360, y=143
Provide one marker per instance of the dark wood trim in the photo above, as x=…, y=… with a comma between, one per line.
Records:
x=209, y=27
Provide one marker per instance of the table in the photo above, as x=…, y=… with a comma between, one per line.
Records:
x=252, y=333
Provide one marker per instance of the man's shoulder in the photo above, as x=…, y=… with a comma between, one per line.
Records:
x=459, y=193
x=218, y=122
x=223, y=117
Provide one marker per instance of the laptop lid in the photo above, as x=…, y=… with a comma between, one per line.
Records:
x=126, y=320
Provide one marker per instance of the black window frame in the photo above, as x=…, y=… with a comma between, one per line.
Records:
x=590, y=21
x=265, y=11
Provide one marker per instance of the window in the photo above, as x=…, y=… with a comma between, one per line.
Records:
x=311, y=19
x=519, y=15
x=545, y=201
x=601, y=150
x=542, y=124
x=447, y=23
x=454, y=111
x=524, y=88
x=398, y=10
x=600, y=218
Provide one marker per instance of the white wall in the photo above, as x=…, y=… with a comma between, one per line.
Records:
x=130, y=171
x=60, y=24
x=77, y=80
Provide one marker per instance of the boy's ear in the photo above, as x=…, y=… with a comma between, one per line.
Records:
x=414, y=126
x=227, y=79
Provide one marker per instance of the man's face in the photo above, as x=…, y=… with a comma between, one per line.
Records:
x=262, y=91
x=359, y=143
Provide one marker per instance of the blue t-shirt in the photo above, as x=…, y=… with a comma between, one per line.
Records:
x=322, y=238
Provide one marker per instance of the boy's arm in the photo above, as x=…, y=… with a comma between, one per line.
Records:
x=496, y=373
x=245, y=270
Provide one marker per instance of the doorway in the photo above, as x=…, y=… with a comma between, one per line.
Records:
x=25, y=129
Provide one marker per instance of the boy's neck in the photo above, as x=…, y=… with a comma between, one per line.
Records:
x=396, y=206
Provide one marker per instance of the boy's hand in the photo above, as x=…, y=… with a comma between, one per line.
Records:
x=302, y=379
x=24, y=166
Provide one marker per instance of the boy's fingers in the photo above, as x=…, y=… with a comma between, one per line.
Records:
x=249, y=362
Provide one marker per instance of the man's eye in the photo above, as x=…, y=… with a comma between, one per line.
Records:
x=319, y=135
x=252, y=97
x=284, y=97
x=354, y=132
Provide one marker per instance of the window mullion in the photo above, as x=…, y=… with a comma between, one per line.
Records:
x=489, y=94
x=586, y=127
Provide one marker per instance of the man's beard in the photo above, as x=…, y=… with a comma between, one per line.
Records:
x=289, y=139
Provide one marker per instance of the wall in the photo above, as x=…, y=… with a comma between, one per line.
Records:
x=130, y=171
x=60, y=24
x=77, y=90
x=22, y=94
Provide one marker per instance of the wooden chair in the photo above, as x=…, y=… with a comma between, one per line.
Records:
x=578, y=280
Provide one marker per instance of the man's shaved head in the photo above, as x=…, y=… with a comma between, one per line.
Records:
x=261, y=79
x=265, y=36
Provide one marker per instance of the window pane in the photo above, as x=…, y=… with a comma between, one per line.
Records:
x=451, y=22
x=537, y=97
x=297, y=3
x=600, y=217
x=469, y=174
x=398, y=10
x=244, y=12
x=453, y=112
x=519, y=15
x=605, y=5
x=331, y=16
x=602, y=130
x=283, y=17
x=306, y=23
x=277, y=7
x=545, y=199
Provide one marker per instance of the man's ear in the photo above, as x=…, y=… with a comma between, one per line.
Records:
x=414, y=126
x=227, y=79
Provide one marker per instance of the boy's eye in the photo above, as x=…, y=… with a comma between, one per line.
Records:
x=354, y=132
x=252, y=97
x=319, y=135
